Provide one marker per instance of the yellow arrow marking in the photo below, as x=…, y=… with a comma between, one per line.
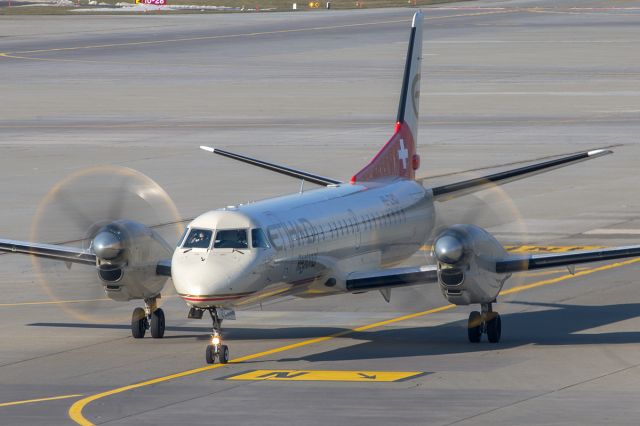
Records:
x=327, y=375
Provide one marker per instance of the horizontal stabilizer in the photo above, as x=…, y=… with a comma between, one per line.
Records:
x=298, y=174
x=458, y=189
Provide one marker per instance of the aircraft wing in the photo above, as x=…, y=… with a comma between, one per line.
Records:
x=288, y=171
x=458, y=189
x=392, y=277
x=540, y=261
x=49, y=251
x=164, y=268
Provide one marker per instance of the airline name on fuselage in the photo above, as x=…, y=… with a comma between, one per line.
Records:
x=292, y=233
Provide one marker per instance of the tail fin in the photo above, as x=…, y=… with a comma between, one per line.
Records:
x=398, y=157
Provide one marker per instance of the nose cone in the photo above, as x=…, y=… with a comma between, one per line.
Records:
x=448, y=249
x=107, y=245
x=208, y=278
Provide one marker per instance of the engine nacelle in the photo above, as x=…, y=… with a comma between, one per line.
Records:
x=466, y=256
x=127, y=255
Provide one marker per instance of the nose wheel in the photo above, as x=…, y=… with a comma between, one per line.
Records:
x=150, y=318
x=216, y=350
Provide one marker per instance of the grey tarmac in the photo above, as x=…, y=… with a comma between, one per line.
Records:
x=503, y=82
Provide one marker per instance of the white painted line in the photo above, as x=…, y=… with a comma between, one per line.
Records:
x=609, y=231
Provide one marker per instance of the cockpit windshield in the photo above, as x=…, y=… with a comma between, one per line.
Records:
x=198, y=238
x=231, y=238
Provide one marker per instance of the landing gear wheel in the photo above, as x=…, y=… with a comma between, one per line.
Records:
x=138, y=323
x=224, y=354
x=210, y=354
x=474, y=327
x=157, y=324
x=494, y=328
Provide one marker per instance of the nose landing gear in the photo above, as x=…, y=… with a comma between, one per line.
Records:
x=216, y=349
x=149, y=318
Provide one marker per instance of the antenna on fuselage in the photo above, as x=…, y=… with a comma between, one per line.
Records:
x=301, y=186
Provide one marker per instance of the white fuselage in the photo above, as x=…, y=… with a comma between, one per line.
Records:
x=314, y=240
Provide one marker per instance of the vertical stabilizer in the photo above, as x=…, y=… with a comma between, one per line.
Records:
x=398, y=157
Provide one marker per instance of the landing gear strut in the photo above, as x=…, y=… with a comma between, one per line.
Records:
x=486, y=322
x=151, y=317
x=216, y=349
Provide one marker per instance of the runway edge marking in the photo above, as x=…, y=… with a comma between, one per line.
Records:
x=75, y=411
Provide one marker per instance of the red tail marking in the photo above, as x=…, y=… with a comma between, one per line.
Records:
x=397, y=158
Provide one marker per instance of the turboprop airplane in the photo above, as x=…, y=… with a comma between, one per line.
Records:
x=346, y=237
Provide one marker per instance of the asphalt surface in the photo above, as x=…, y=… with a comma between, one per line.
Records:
x=502, y=82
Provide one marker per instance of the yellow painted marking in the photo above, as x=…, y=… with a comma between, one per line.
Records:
x=56, y=302
x=548, y=249
x=550, y=272
x=30, y=401
x=75, y=411
x=569, y=276
x=327, y=375
x=538, y=249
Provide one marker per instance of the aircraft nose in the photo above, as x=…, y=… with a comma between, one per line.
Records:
x=203, y=280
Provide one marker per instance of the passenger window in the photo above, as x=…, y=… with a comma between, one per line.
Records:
x=258, y=239
x=198, y=238
x=231, y=238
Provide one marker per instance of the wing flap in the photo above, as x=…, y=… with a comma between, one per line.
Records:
x=390, y=278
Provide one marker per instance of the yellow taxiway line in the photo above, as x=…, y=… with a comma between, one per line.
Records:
x=75, y=411
x=30, y=401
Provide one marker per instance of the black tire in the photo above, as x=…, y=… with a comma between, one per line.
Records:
x=224, y=354
x=210, y=355
x=494, y=328
x=474, y=327
x=157, y=324
x=138, y=323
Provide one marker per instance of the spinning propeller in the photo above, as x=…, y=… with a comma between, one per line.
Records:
x=96, y=208
x=492, y=207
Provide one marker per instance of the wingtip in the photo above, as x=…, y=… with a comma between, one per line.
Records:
x=416, y=16
x=207, y=148
x=599, y=152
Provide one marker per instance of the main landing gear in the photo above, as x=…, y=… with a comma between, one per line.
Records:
x=486, y=322
x=215, y=349
x=150, y=318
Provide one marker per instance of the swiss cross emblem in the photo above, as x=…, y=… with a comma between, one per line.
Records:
x=403, y=154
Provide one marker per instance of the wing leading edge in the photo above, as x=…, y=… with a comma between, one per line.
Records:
x=66, y=254
x=540, y=261
x=49, y=251
x=390, y=278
